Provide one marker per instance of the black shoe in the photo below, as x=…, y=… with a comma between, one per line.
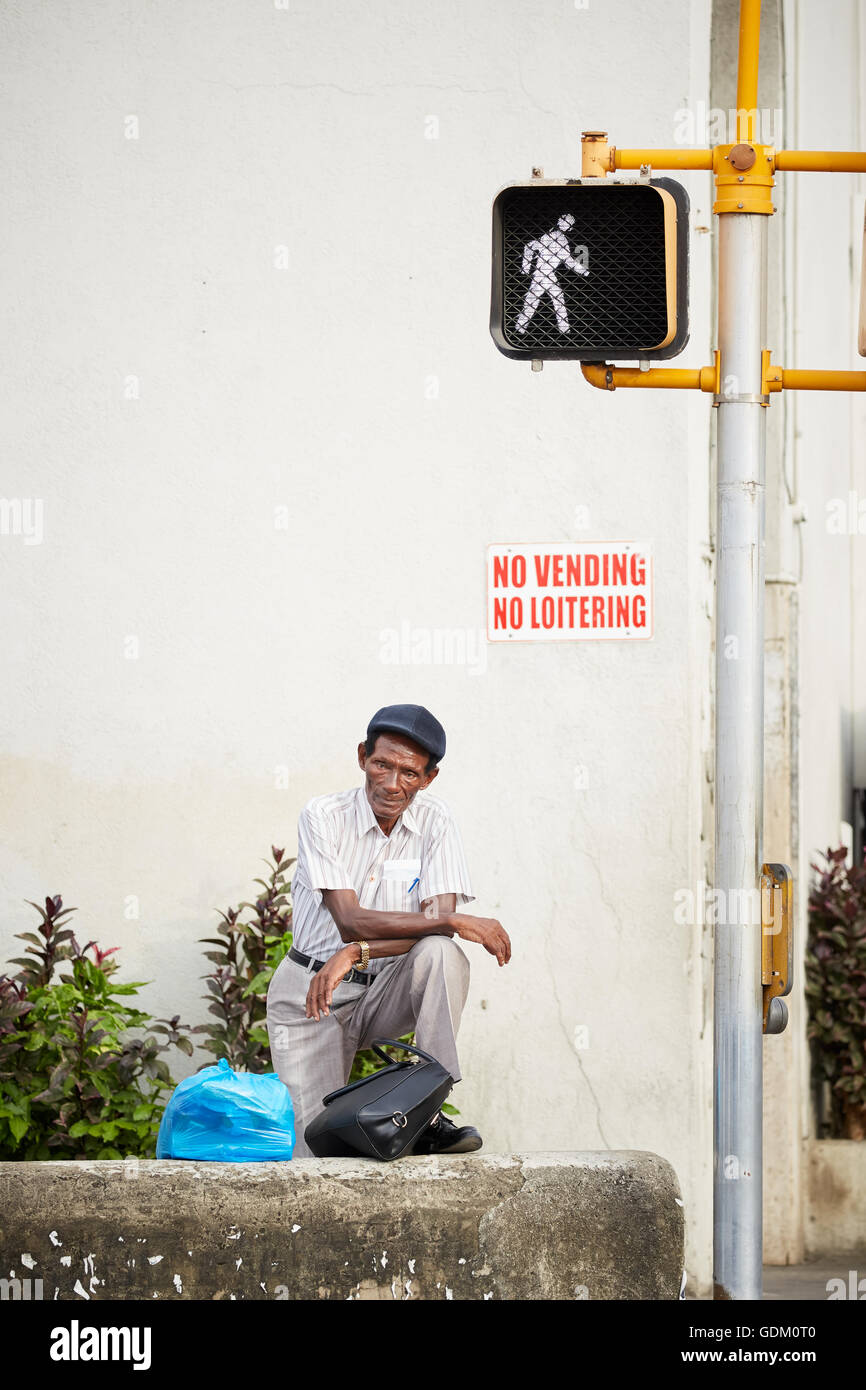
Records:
x=443, y=1137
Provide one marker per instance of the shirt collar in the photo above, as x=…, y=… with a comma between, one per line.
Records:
x=365, y=820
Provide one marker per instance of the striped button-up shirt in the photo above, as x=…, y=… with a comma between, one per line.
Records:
x=341, y=845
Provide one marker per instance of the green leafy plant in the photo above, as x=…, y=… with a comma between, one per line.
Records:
x=836, y=992
x=247, y=954
x=75, y=1082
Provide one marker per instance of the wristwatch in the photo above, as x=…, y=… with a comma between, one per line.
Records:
x=365, y=955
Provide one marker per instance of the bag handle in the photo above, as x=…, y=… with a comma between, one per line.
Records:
x=407, y=1047
x=393, y=1042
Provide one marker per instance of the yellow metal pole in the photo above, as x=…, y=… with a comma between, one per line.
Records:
x=661, y=159
x=822, y=161
x=809, y=161
x=822, y=381
x=747, y=68
x=608, y=378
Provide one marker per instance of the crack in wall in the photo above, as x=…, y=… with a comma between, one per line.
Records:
x=571, y=1047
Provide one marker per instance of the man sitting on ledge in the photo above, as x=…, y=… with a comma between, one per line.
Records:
x=379, y=875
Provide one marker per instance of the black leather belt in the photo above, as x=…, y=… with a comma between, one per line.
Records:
x=354, y=977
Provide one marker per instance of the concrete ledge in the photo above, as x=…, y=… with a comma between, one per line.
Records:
x=521, y=1226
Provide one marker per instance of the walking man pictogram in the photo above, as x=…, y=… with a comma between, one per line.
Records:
x=548, y=253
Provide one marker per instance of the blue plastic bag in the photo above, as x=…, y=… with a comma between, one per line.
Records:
x=228, y=1117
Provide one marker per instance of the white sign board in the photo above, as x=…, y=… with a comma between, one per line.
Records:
x=569, y=591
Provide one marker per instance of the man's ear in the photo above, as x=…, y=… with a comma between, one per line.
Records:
x=362, y=756
x=431, y=776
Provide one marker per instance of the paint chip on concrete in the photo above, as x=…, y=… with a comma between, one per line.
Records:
x=52, y=1236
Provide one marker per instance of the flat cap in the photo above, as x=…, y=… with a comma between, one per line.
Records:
x=413, y=721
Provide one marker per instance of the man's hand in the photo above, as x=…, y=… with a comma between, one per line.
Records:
x=486, y=930
x=325, y=981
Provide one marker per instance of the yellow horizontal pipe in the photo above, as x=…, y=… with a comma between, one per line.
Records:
x=822, y=161
x=669, y=378
x=793, y=161
x=823, y=381
x=607, y=378
x=663, y=159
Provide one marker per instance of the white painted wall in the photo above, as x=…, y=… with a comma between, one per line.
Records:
x=359, y=388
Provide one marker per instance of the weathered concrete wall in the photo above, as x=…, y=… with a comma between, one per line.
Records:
x=518, y=1226
x=251, y=296
x=837, y=1197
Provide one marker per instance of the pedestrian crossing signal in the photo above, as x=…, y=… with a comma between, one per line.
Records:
x=591, y=271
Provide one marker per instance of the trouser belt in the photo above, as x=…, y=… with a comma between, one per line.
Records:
x=354, y=977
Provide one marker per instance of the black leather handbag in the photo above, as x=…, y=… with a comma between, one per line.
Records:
x=381, y=1116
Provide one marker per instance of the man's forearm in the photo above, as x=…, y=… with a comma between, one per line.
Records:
x=367, y=924
x=399, y=946
x=356, y=923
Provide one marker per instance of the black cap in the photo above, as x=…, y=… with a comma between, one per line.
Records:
x=415, y=722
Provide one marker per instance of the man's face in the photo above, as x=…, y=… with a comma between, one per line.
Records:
x=395, y=771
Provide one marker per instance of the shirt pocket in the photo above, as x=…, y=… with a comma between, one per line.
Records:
x=400, y=883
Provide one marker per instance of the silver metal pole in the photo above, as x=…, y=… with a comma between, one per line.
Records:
x=737, y=1030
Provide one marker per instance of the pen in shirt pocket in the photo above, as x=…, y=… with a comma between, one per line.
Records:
x=415, y=883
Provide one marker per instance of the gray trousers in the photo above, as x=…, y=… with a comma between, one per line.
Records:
x=424, y=990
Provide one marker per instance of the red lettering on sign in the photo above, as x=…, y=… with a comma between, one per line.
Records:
x=607, y=611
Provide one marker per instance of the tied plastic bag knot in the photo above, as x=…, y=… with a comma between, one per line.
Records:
x=223, y=1116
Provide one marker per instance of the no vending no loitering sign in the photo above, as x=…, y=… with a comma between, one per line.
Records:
x=569, y=591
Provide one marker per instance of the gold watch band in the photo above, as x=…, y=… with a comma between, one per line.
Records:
x=365, y=955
